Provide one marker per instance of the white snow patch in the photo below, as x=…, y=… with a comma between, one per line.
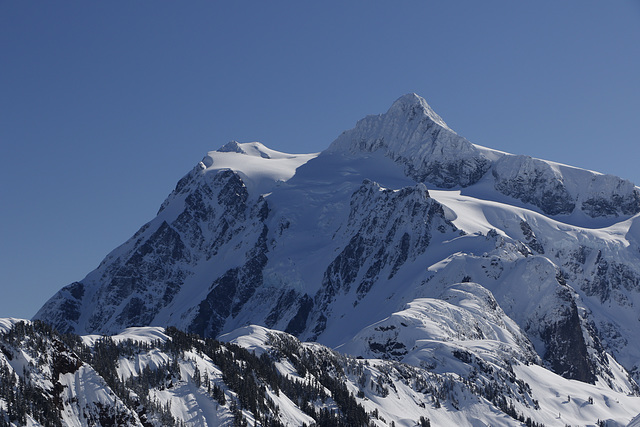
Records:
x=251, y=337
x=6, y=323
x=259, y=167
x=146, y=334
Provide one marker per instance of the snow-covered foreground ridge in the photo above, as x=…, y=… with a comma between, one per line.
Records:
x=402, y=241
x=255, y=376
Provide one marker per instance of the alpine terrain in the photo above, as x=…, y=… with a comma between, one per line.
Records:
x=404, y=276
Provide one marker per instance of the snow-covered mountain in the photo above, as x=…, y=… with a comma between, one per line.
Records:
x=150, y=376
x=402, y=241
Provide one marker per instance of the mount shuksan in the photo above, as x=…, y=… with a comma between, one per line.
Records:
x=402, y=241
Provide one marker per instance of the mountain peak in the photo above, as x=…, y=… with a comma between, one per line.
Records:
x=409, y=125
x=414, y=105
x=415, y=137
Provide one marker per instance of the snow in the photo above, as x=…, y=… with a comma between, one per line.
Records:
x=251, y=337
x=411, y=101
x=314, y=212
x=6, y=323
x=635, y=422
x=460, y=316
x=561, y=401
x=128, y=367
x=291, y=414
x=142, y=334
x=191, y=405
x=261, y=168
x=565, y=401
x=88, y=388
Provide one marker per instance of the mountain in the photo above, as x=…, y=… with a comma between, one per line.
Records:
x=151, y=376
x=403, y=242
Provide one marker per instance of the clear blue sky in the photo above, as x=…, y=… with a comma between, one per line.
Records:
x=105, y=105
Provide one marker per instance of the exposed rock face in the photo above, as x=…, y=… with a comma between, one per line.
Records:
x=144, y=275
x=555, y=189
x=533, y=181
x=560, y=190
x=566, y=350
x=146, y=281
x=611, y=196
x=231, y=291
x=65, y=307
x=611, y=280
x=387, y=229
x=530, y=238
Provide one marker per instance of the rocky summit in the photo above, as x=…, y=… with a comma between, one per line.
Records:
x=433, y=275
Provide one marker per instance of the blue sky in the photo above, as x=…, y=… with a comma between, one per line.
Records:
x=105, y=105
